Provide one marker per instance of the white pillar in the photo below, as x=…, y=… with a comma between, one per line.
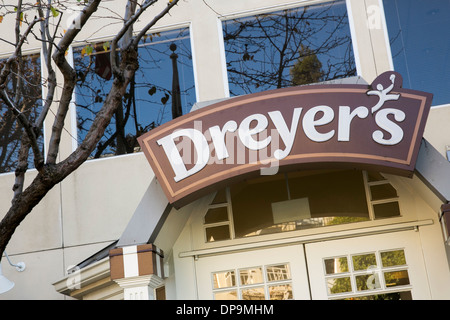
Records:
x=140, y=287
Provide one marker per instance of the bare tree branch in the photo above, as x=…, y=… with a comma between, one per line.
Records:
x=144, y=30
x=130, y=18
x=69, y=80
x=20, y=41
x=51, y=173
x=29, y=129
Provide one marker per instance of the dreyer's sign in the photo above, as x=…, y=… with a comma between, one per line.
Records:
x=376, y=127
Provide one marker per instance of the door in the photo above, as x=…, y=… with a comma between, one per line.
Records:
x=386, y=266
x=383, y=266
x=275, y=273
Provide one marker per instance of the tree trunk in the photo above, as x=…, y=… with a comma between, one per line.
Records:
x=52, y=174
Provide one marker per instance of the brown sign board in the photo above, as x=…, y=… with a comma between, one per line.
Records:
x=373, y=127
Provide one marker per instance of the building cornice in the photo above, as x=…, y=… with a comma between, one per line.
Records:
x=81, y=282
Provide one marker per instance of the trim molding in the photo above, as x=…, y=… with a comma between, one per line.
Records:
x=412, y=225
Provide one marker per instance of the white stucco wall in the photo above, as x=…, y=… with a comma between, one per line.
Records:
x=92, y=207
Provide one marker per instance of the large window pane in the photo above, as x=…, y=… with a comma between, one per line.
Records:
x=27, y=86
x=288, y=47
x=420, y=44
x=251, y=202
x=148, y=100
x=334, y=198
x=298, y=200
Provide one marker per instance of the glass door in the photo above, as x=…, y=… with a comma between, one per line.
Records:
x=267, y=274
x=378, y=267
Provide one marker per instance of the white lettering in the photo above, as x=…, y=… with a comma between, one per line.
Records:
x=287, y=135
x=245, y=133
x=193, y=310
x=218, y=138
x=309, y=123
x=345, y=119
x=254, y=134
x=382, y=120
x=201, y=147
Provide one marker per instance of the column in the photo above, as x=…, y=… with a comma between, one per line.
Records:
x=138, y=269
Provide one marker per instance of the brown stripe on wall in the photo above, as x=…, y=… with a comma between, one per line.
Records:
x=116, y=263
x=148, y=257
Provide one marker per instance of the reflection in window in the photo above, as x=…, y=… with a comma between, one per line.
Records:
x=251, y=276
x=339, y=285
x=336, y=265
x=148, y=100
x=290, y=47
x=369, y=273
x=30, y=102
x=393, y=258
x=256, y=283
x=280, y=292
x=419, y=45
x=396, y=278
x=402, y=295
x=303, y=200
x=367, y=282
x=298, y=201
x=224, y=279
x=278, y=272
x=363, y=262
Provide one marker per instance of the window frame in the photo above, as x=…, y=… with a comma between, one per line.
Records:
x=265, y=284
x=80, y=43
x=38, y=52
x=372, y=219
x=274, y=8
x=379, y=270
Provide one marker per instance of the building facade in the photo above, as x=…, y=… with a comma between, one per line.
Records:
x=317, y=230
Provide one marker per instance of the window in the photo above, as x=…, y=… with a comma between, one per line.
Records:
x=419, y=47
x=28, y=83
x=290, y=47
x=368, y=276
x=298, y=201
x=148, y=100
x=217, y=218
x=383, y=197
x=271, y=282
